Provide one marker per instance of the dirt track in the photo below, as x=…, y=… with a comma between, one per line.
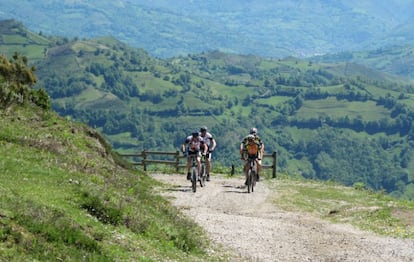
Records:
x=224, y=209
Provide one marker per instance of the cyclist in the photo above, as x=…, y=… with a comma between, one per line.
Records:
x=211, y=145
x=252, y=145
x=193, y=145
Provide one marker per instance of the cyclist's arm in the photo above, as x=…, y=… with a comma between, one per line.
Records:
x=184, y=145
x=183, y=148
x=261, y=147
x=242, y=148
x=213, y=144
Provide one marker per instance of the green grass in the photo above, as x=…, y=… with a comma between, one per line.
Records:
x=63, y=197
x=342, y=108
x=34, y=49
x=273, y=101
x=362, y=208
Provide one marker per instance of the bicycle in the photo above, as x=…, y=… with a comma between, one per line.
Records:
x=194, y=172
x=251, y=173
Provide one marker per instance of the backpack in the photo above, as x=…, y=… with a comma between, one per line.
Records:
x=252, y=149
x=194, y=145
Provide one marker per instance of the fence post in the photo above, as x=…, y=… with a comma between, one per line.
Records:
x=274, y=155
x=177, y=160
x=144, y=157
x=232, y=169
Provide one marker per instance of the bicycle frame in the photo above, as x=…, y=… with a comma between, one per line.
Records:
x=251, y=173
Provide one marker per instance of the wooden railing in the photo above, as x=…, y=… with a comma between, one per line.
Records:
x=145, y=160
x=175, y=160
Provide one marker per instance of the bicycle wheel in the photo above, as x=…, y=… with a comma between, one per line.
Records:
x=249, y=181
x=194, y=177
x=253, y=179
x=203, y=175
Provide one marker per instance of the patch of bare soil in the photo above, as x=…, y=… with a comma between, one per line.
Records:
x=255, y=230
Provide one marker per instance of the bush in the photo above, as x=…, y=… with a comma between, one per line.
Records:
x=104, y=213
x=40, y=98
x=16, y=82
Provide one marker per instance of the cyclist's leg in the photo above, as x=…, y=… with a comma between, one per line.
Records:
x=259, y=167
x=208, y=165
x=246, y=170
x=245, y=157
x=199, y=163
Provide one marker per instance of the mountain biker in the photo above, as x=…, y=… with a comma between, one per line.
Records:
x=252, y=145
x=211, y=145
x=193, y=145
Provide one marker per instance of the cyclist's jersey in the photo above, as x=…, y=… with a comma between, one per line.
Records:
x=194, y=144
x=256, y=139
x=207, y=138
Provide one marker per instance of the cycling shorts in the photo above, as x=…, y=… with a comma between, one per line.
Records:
x=194, y=153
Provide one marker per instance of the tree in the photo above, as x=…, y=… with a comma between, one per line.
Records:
x=17, y=81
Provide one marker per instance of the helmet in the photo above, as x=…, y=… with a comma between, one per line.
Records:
x=195, y=133
x=253, y=130
x=203, y=129
x=250, y=138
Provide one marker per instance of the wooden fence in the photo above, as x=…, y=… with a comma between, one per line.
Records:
x=174, y=159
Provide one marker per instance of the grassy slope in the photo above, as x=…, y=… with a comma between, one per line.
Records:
x=28, y=44
x=397, y=60
x=63, y=197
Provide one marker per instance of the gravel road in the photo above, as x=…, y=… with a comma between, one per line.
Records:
x=226, y=211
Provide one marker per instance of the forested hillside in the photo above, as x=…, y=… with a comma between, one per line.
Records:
x=330, y=121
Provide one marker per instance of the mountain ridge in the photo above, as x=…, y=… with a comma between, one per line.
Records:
x=268, y=29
